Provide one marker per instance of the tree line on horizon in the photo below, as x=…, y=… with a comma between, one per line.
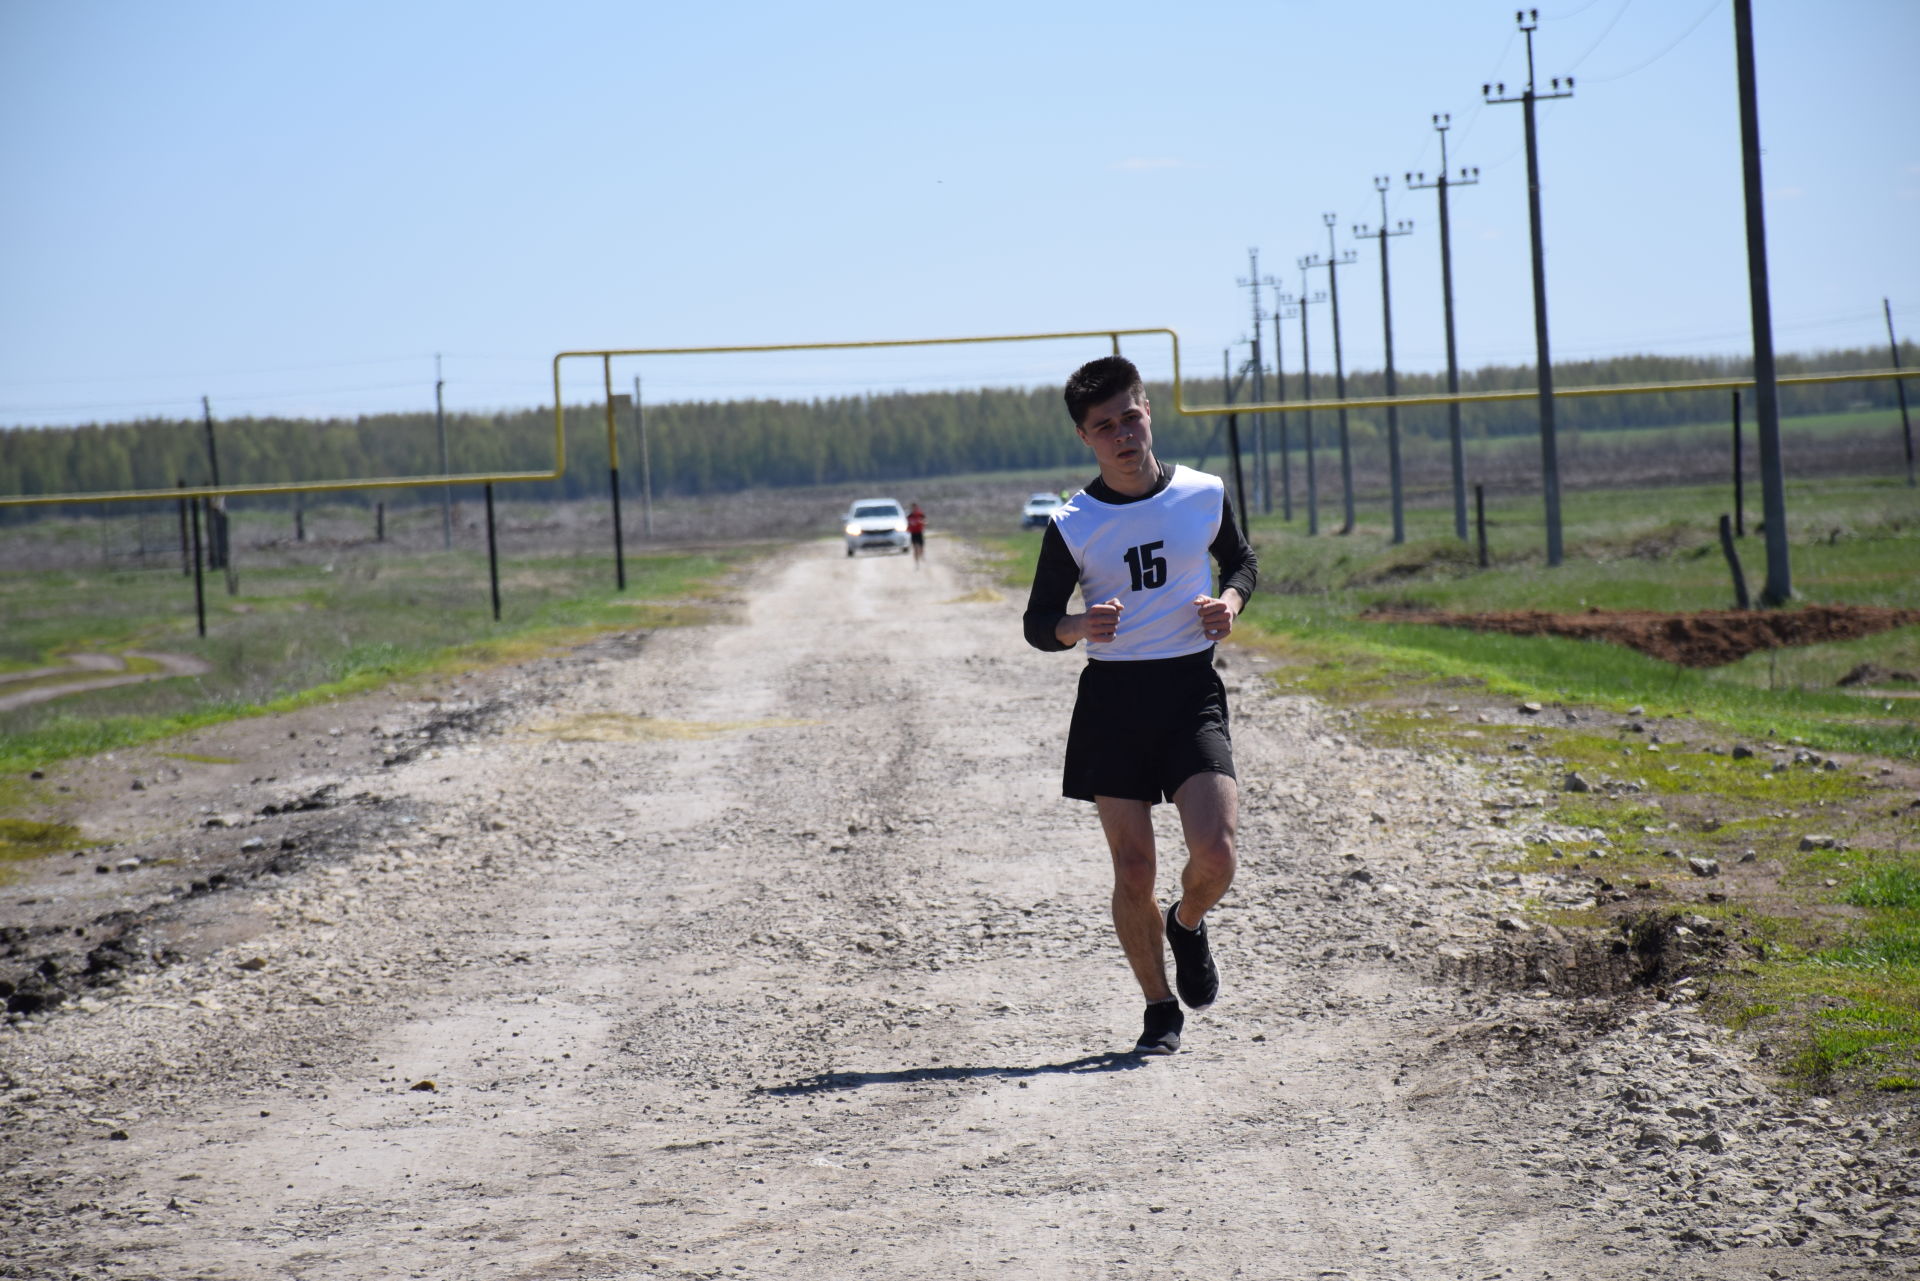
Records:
x=705, y=447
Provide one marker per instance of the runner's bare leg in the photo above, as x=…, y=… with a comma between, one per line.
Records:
x=1209, y=806
x=1136, y=914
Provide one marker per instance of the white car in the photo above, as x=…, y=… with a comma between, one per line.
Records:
x=1039, y=510
x=877, y=522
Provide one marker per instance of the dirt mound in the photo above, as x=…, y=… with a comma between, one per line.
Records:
x=1707, y=638
x=1874, y=674
x=1648, y=950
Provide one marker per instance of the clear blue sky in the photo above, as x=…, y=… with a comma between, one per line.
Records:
x=292, y=208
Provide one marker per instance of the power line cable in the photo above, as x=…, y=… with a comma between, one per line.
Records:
x=1675, y=44
x=1613, y=22
x=205, y=374
x=195, y=400
x=94, y=380
x=1511, y=153
x=1479, y=105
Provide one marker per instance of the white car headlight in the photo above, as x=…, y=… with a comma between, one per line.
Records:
x=853, y=531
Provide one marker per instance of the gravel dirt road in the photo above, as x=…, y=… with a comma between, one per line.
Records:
x=768, y=949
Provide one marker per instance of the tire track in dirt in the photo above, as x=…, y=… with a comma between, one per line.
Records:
x=95, y=671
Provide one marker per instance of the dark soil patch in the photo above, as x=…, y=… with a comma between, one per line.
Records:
x=1708, y=638
x=46, y=962
x=1648, y=950
x=159, y=895
x=1871, y=674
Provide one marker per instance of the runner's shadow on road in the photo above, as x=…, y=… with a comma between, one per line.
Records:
x=822, y=1082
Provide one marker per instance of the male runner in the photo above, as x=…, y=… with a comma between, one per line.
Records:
x=1150, y=722
x=917, y=533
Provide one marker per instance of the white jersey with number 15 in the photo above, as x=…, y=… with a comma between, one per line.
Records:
x=1151, y=556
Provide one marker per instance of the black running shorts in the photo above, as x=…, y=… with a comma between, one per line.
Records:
x=1140, y=729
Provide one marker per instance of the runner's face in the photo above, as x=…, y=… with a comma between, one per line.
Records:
x=1119, y=431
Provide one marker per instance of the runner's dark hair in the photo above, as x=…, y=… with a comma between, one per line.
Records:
x=1099, y=380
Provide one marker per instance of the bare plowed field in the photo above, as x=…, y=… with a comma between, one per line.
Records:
x=1698, y=638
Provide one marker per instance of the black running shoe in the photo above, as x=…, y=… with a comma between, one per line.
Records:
x=1193, y=974
x=1161, y=1035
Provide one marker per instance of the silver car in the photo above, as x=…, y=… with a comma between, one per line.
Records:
x=876, y=522
x=1039, y=510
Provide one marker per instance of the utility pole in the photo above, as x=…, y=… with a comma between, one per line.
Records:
x=1766, y=400
x=1260, y=487
x=216, y=510
x=1228, y=381
x=1418, y=182
x=1899, y=387
x=646, y=463
x=1739, y=475
x=1529, y=20
x=1335, y=259
x=440, y=430
x=1281, y=303
x=186, y=566
x=1360, y=232
x=1306, y=392
x=613, y=475
x=213, y=452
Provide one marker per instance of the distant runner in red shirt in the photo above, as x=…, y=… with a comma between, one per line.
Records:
x=917, y=531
